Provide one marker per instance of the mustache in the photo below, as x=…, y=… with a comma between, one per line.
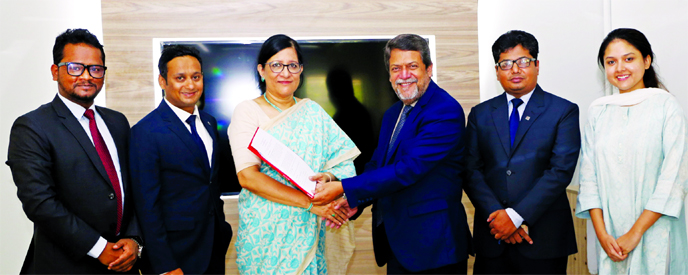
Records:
x=85, y=83
x=404, y=81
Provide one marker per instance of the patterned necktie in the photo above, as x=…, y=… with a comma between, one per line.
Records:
x=514, y=119
x=404, y=114
x=107, y=162
x=197, y=139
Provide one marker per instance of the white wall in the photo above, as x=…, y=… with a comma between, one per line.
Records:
x=27, y=33
x=665, y=23
x=570, y=33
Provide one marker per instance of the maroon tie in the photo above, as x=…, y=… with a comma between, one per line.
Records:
x=107, y=162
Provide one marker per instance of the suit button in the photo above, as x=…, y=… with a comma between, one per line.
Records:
x=504, y=202
x=111, y=196
x=508, y=172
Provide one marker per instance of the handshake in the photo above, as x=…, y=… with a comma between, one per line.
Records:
x=329, y=201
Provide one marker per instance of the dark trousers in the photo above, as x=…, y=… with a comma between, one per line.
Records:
x=223, y=235
x=512, y=262
x=395, y=267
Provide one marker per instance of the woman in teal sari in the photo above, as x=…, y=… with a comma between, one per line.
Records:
x=280, y=230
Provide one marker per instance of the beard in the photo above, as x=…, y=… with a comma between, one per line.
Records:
x=407, y=94
x=72, y=94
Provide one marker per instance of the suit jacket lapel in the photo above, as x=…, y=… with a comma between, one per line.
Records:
x=407, y=130
x=533, y=110
x=74, y=127
x=178, y=128
x=500, y=118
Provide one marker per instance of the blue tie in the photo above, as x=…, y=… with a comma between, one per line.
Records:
x=514, y=119
x=379, y=207
x=407, y=109
x=197, y=139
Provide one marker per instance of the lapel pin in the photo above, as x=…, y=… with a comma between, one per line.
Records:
x=527, y=117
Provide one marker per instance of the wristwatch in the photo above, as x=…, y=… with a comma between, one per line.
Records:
x=138, y=253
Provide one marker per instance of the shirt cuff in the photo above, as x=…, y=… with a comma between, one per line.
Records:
x=515, y=217
x=98, y=248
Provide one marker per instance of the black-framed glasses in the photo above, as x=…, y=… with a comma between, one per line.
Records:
x=277, y=67
x=77, y=69
x=522, y=62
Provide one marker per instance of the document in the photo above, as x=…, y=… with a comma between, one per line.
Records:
x=284, y=160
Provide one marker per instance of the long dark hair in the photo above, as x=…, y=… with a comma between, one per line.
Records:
x=638, y=40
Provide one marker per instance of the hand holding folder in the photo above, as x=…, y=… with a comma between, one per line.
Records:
x=283, y=160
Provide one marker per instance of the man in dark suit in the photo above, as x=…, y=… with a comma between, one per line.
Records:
x=522, y=149
x=69, y=162
x=413, y=179
x=174, y=174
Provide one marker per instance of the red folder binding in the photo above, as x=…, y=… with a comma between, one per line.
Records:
x=266, y=158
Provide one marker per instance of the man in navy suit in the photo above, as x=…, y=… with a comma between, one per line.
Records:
x=174, y=173
x=522, y=149
x=69, y=162
x=413, y=179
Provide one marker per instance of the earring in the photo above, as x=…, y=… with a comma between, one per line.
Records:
x=262, y=79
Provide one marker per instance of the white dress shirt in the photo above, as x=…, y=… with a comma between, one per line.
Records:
x=202, y=131
x=515, y=217
x=78, y=112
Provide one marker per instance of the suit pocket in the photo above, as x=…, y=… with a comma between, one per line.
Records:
x=179, y=223
x=427, y=207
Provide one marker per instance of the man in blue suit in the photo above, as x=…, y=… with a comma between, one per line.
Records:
x=522, y=149
x=413, y=179
x=174, y=174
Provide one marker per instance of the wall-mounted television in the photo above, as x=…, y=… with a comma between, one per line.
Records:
x=229, y=66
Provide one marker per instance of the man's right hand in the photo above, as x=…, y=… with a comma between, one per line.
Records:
x=501, y=225
x=109, y=254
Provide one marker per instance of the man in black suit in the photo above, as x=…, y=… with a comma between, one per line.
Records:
x=174, y=152
x=69, y=160
x=522, y=150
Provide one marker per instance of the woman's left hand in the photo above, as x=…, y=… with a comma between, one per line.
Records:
x=628, y=241
x=329, y=212
x=343, y=206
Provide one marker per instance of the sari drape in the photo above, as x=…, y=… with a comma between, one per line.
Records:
x=274, y=238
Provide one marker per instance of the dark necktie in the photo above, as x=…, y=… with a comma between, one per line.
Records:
x=379, y=207
x=197, y=139
x=402, y=119
x=107, y=162
x=514, y=119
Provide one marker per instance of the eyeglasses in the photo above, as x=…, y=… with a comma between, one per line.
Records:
x=522, y=62
x=77, y=69
x=277, y=67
